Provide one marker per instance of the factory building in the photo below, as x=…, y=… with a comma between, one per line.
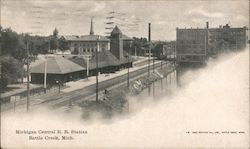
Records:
x=197, y=44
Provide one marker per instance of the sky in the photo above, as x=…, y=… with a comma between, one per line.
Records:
x=72, y=17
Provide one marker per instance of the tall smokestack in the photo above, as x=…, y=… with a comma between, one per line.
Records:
x=207, y=25
x=149, y=32
x=91, y=27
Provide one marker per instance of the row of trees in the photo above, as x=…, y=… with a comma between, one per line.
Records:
x=14, y=54
x=138, y=44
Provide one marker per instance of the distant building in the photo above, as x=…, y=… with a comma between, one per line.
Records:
x=109, y=61
x=116, y=43
x=86, y=44
x=116, y=48
x=58, y=69
x=127, y=43
x=164, y=50
x=196, y=44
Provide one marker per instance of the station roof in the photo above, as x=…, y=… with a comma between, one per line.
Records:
x=57, y=65
x=105, y=59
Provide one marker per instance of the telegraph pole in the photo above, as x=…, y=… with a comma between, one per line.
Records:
x=28, y=77
x=128, y=63
x=135, y=52
x=87, y=67
x=153, y=72
x=45, y=75
x=149, y=55
x=1, y=79
x=97, y=73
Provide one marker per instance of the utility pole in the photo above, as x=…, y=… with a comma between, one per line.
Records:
x=45, y=75
x=149, y=55
x=128, y=63
x=97, y=73
x=87, y=67
x=49, y=43
x=28, y=77
x=153, y=72
x=205, y=49
x=135, y=52
x=1, y=79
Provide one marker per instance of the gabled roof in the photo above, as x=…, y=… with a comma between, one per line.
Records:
x=86, y=38
x=116, y=30
x=57, y=65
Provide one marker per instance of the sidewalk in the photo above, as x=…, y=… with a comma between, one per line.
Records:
x=75, y=85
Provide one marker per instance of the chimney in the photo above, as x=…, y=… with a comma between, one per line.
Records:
x=149, y=32
x=207, y=25
x=91, y=27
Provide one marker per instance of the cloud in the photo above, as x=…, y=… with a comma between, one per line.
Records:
x=241, y=18
x=200, y=11
x=73, y=16
x=98, y=6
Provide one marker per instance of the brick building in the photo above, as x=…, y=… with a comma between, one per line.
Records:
x=86, y=44
x=196, y=44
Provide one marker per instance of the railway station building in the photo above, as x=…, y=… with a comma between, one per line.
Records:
x=56, y=69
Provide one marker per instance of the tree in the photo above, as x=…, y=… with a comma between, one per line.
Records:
x=14, y=55
x=139, y=44
x=12, y=69
x=54, y=45
x=63, y=44
x=55, y=33
x=12, y=44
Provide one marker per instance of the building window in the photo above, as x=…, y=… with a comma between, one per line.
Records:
x=88, y=50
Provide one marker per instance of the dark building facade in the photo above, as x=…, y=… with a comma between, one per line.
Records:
x=197, y=44
x=117, y=40
x=116, y=43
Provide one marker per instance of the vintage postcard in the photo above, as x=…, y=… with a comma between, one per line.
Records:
x=124, y=74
